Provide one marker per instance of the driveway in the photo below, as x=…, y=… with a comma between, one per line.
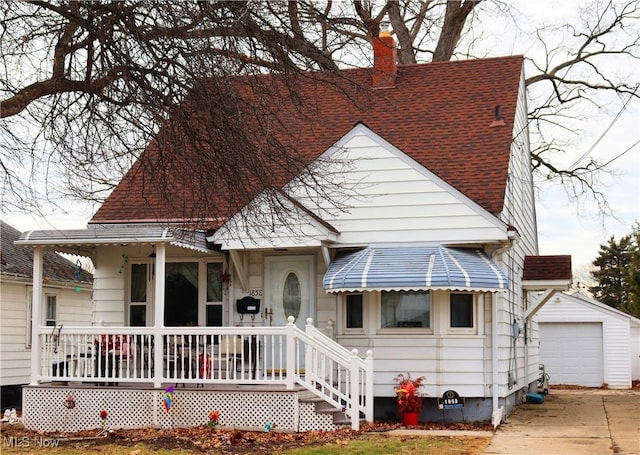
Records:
x=569, y=422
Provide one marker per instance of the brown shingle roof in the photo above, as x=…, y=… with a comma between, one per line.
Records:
x=17, y=260
x=439, y=114
x=539, y=268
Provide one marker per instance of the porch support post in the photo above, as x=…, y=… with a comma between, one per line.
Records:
x=158, y=316
x=36, y=314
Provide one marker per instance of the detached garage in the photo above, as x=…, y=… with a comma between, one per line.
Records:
x=584, y=342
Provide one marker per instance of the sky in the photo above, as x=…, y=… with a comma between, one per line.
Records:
x=565, y=225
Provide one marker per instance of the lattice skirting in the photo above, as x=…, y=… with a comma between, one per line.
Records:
x=44, y=409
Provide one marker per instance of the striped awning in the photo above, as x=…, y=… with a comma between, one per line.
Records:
x=414, y=268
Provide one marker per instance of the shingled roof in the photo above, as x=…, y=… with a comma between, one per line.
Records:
x=440, y=114
x=17, y=261
x=545, y=268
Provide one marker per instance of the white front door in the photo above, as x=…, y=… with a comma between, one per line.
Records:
x=289, y=288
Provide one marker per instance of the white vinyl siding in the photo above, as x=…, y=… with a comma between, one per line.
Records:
x=73, y=309
x=387, y=197
x=519, y=359
x=396, y=200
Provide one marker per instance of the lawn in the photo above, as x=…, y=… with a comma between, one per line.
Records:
x=370, y=441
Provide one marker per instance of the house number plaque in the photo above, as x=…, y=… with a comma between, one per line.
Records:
x=255, y=292
x=450, y=400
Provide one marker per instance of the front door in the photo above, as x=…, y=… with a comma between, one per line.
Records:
x=289, y=288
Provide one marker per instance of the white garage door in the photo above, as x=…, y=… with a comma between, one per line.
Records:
x=572, y=353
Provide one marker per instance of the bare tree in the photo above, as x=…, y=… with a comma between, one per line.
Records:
x=87, y=85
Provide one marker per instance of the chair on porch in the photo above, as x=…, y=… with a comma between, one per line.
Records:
x=241, y=355
x=179, y=357
x=111, y=350
x=231, y=354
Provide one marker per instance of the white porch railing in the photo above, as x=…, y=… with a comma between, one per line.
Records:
x=211, y=355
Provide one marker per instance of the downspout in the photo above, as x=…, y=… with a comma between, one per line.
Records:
x=496, y=414
x=494, y=362
x=326, y=255
x=36, y=314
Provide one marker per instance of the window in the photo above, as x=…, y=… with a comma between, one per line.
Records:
x=354, y=311
x=50, y=310
x=461, y=310
x=138, y=292
x=213, y=307
x=214, y=282
x=292, y=296
x=406, y=309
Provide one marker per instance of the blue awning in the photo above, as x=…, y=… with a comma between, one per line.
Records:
x=414, y=268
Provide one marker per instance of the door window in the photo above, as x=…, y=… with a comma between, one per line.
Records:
x=291, y=296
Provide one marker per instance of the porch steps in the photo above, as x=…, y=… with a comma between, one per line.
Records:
x=321, y=407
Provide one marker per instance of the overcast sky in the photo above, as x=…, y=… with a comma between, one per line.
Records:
x=565, y=226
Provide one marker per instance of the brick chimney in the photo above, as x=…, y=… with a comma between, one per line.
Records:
x=384, y=59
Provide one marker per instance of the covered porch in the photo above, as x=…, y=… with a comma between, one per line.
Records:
x=251, y=375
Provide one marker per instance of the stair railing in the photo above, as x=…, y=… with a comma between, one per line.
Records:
x=334, y=373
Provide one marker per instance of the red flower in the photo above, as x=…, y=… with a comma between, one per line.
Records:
x=103, y=414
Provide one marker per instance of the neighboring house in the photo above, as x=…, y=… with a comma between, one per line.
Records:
x=421, y=270
x=66, y=299
x=585, y=342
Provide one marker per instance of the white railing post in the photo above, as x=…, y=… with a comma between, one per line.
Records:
x=309, y=364
x=368, y=393
x=291, y=353
x=354, y=393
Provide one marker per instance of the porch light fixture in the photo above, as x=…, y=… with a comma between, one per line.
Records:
x=153, y=265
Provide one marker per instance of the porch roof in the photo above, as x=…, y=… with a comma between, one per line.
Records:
x=83, y=241
x=414, y=268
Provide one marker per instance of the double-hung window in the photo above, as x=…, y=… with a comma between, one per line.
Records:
x=139, y=294
x=51, y=310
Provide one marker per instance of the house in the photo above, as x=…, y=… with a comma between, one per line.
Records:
x=407, y=256
x=66, y=300
x=584, y=342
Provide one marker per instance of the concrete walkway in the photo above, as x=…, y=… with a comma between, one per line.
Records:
x=573, y=422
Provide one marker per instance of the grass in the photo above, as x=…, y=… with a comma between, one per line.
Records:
x=381, y=444
x=364, y=443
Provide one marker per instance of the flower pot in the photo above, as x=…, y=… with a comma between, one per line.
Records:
x=410, y=419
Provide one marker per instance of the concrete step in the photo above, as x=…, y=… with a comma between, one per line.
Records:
x=323, y=407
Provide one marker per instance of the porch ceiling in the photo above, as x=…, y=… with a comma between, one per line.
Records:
x=83, y=241
x=414, y=268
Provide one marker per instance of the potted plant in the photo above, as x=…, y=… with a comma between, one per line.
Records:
x=409, y=397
